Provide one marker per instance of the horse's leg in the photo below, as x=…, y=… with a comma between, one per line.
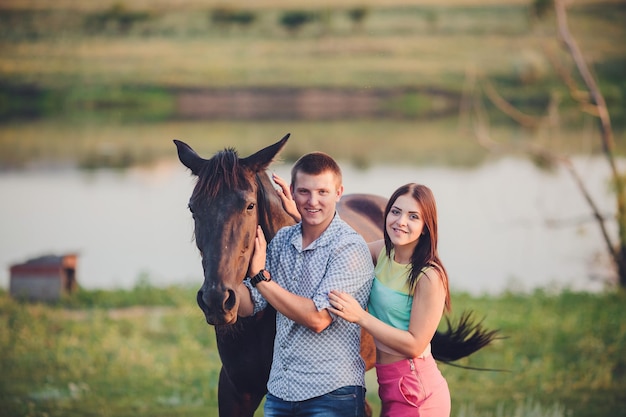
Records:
x=246, y=353
x=232, y=403
x=368, y=350
x=368, y=353
x=368, y=409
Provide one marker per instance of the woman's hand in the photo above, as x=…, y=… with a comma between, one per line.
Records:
x=260, y=253
x=284, y=192
x=345, y=306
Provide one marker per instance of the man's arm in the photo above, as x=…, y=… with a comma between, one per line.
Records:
x=302, y=310
x=246, y=306
x=299, y=309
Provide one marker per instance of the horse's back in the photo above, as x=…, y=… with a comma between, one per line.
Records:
x=365, y=213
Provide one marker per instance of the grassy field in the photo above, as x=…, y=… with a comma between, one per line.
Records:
x=148, y=352
x=398, y=45
x=363, y=143
x=55, y=46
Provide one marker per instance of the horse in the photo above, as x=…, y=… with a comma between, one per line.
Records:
x=233, y=195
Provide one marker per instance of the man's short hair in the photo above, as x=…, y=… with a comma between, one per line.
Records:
x=315, y=163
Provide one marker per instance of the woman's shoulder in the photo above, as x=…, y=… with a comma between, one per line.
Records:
x=376, y=247
x=431, y=272
x=431, y=268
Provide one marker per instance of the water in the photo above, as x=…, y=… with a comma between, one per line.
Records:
x=503, y=226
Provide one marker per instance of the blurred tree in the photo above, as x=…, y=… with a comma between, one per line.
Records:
x=540, y=8
x=432, y=19
x=226, y=16
x=117, y=18
x=590, y=101
x=294, y=20
x=357, y=15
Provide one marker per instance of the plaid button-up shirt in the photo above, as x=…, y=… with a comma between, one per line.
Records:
x=308, y=364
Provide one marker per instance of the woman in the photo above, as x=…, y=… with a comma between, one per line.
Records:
x=408, y=298
x=409, y=295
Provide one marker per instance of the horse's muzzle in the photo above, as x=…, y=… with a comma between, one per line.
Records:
x=219, y=307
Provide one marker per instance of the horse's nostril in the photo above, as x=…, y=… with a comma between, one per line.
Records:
x=229, y=303
x=200, y=301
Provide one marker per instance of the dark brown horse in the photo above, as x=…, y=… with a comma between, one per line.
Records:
x=231, y=197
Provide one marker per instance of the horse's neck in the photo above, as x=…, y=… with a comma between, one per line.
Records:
x=272, y=215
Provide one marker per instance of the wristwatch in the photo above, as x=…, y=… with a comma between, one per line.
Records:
x=263, y=275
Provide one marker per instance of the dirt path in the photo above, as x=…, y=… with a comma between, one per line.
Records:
x=312, y=103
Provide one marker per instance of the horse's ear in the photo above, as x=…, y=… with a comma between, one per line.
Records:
x=261, y=159
x=189, y=157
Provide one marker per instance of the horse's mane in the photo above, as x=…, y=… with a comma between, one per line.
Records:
x=222, y=172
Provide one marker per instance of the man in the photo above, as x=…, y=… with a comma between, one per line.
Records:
x=316, y=369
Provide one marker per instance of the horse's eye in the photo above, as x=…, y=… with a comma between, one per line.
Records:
x=250, y=206
x=190, y=208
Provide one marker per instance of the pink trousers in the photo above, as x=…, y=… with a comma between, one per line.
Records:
x=413, y=387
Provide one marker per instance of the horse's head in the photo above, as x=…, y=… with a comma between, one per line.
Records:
x=231, y=197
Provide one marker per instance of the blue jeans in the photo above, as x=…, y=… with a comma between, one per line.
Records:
x=343, y=402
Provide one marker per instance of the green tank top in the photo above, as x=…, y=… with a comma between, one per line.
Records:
x=389, y=299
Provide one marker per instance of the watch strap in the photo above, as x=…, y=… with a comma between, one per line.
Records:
x=263, y=275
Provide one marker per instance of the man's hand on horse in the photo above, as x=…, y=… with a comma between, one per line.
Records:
x=257, y=262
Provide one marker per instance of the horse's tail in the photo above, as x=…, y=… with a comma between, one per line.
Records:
x=463, y=340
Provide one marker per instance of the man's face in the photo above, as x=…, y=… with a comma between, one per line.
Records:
x=316, y=197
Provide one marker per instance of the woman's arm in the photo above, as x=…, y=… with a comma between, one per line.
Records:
x=426, y=312
x=375, y=248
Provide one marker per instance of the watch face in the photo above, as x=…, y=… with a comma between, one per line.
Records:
x=266, y=275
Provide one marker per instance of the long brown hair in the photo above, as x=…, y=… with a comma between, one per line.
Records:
x=425, y=253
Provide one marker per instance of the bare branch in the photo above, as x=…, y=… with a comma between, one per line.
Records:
x=590, y=82
x=508, y=109
x=591, y=102
x=619, y=254
x=594, y=208
x=481, y=132
x=581, y=96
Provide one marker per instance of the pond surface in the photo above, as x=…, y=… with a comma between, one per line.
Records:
x=505, y=225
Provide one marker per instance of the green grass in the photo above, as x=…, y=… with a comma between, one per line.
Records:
x=97, y=361
x=395, y=50
x=401, y=44
x=566, y=349
x=148, y=352
x=92, y=143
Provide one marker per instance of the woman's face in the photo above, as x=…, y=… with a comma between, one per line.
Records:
x=404, y=221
